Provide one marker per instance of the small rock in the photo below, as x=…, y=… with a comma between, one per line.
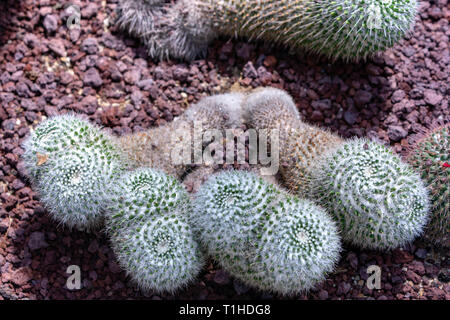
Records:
x=90, y=45
x=362, y=97
x=432, y=97
x=92, y=78
x=396, y=133
x=350, y=115
x=397, y=96
x=323, y=295
x=51, y=23
x=401, y=256
x=37, y=241
x=221, y=277
x=421, y=253
x=57, y=46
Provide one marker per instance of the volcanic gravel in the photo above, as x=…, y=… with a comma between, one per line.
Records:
x=47, y=69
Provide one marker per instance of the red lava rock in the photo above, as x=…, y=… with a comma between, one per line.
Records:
x=432, y=97
x=92, y=78
x=51, y=23
x=323, y=295
x=221, y=277
x=362, y=97
x=401, y=256
x=19, y=277
x=37, y=241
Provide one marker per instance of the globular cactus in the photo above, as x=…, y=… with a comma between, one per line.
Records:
x=299, y=245
x=147, y=222
x=171, y=147
x=430, y=156
x=261, y=235
x=378, y=200
x=71, y=164
x=345, y=29
x=58, y=135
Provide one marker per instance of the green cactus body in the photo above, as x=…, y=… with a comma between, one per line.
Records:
x=149, y=231
x=71, y=163
x=430, y=156
x=227, y=211
x=299, y=245
x=75, y=186
x=261, y=235
x=346, y=29
x=378, y=200
x=59, y=135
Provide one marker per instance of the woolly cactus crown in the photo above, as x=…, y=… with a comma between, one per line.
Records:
x=148, y=227
x=377, y=199
x=430, y=156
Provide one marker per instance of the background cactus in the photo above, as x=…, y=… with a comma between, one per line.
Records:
x=430, y=156
x=347, y=29
x=262, y=236
x=71, y=163
x=149, y=231
x=377, y=199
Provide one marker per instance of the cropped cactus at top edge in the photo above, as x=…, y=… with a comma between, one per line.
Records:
x=363, y=184
x=379, y=201
x=71, y=163
x=346, y=29
x=149, y=231
x=263, y=236
x=430, y=155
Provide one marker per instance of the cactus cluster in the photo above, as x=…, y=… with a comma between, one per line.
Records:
x=147, y=222
x=379, y=201
x=71, y=163
x=263, y=236
x=430, y=155
x=344, y=29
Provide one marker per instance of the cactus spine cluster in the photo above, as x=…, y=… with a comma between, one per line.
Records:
x=346, y=29
x=147, y=222
x=431, y=157
x=263, y=236
x=378, y=200
x=71, y=163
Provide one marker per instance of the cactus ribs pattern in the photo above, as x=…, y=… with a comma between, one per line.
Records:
x=345, y=29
